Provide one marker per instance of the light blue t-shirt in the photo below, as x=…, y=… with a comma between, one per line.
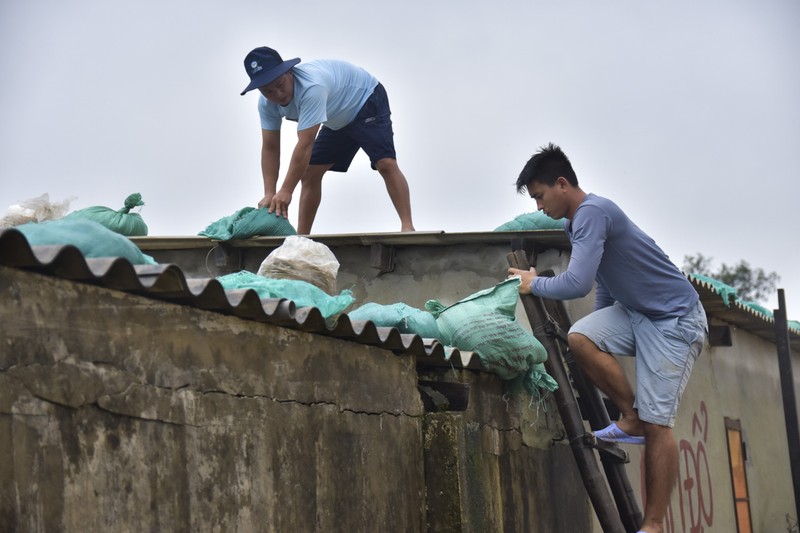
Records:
x=627, y=264
x=326, y=91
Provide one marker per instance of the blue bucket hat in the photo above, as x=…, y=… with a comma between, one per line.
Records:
x=265, y=65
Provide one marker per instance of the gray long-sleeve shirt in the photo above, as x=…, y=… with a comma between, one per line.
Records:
x=626, y=263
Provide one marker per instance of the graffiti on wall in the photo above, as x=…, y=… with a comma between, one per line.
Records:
x=695, y=503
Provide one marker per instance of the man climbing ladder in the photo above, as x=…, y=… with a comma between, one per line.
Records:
x=549, y=321
x=644, y=307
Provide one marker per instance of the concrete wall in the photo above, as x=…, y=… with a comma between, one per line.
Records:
x=739, y=382
x=496, y=467
x=122, y=413
x=246, y=408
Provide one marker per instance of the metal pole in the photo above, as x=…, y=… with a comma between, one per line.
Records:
x=787, y=389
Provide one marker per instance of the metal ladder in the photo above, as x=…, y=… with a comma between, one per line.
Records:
x=550, y=321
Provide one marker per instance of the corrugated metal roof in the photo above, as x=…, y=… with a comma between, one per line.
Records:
x=740, y=315
x=167, y=282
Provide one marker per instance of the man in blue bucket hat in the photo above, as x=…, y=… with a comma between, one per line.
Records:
x=339, y=108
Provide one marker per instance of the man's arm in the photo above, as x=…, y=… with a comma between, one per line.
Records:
x=298, y=164
x=588, y=241
x=270, y=163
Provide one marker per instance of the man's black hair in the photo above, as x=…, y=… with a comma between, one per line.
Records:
x=546, y=166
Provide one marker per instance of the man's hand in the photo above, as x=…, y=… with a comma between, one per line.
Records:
x=264, y=202
x=527, y=277
x=280, y=203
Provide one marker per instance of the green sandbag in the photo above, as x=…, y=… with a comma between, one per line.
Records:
x=531, y=221
x=248, y=222
x=485, y=323
x=302, y=293
x=122, y=221
x=90, y=237
x=404, y=318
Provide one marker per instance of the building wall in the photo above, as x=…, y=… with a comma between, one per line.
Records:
x=501, y=465
x=118, y=412
x=739, y=382
x=124, y=413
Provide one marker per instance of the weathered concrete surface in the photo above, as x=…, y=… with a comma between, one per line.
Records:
x=739, y=382
x=122, y=413
x=483, y=472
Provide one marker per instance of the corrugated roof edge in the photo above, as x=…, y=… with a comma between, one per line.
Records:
x=740, y=314
x=167, y=282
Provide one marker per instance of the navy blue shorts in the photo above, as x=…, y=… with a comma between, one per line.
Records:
x=371, y=131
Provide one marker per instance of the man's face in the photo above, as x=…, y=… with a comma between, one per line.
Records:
x=279, y=90
x=550, y=198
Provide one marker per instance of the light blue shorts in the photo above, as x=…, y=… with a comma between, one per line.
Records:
x=665, y=352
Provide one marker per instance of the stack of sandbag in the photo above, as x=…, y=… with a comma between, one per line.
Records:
x=248, y=222
x=300, y=270
x=121, y=221
x=302, y=293
x=485, y=323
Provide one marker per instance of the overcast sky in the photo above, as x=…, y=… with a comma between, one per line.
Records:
x=685, y=113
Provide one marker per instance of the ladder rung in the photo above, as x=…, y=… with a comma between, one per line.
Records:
x=607, y=449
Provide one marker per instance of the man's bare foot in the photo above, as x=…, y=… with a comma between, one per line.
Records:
x=631, y=425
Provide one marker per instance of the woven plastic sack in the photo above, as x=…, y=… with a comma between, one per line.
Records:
x=302, y=293
x=485, y=323
x=531, y=221
x=90, y=237
x=37, y=209
x=248, y=222
x=404, y=318
x=304, y=259
x=121, y=221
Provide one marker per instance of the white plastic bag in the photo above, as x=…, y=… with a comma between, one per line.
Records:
x=36, y=209
x=303, y=259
